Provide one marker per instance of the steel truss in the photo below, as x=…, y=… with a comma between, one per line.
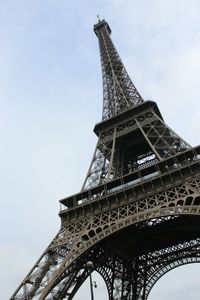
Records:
x=61, y=269
x=119, y=92
x=162, y=143
x=137, y=215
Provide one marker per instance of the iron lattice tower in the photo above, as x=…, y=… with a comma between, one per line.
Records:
x=137, y=215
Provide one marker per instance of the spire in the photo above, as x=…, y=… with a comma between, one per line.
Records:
x=119, y=92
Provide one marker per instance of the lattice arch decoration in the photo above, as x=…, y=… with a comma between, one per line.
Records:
x=165, y=269
x=180, y=200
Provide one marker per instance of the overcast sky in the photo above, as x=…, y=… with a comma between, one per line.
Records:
x=51, y=97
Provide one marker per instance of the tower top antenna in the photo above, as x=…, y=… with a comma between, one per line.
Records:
x=98, y=18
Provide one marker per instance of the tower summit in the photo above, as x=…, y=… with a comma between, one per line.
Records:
x=119, y=93
x=137, y=215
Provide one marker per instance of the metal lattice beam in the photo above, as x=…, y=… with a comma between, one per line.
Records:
x=119, y=92
x=138, y=213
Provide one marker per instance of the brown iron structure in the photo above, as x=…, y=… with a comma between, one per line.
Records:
x=137, y=215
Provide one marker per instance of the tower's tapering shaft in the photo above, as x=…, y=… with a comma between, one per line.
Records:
x=133, y=133
x=119, y=92
x=138, y=213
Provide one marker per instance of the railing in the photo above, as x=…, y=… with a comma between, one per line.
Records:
x=179, y=161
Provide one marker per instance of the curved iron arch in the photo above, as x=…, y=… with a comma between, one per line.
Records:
x=162, y=271
x=181, y=203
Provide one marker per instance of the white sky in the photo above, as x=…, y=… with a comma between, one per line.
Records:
x=51, y=97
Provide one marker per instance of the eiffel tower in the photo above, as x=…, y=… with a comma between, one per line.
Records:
x=137, y=214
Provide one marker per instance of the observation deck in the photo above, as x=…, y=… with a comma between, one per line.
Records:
x=150, y=179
